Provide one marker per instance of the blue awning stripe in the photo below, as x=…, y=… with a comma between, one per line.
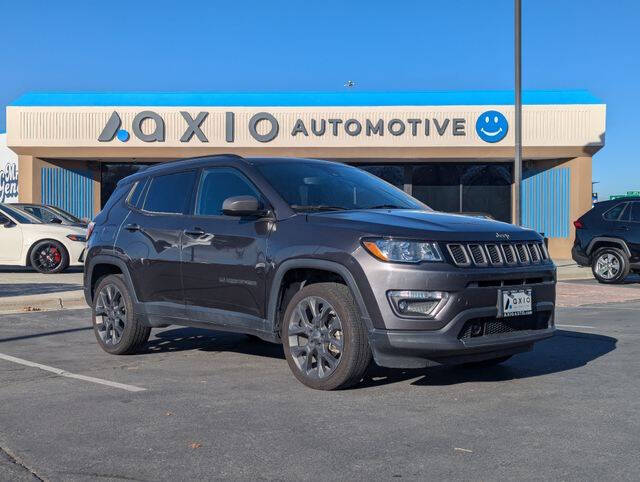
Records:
x=309, y=99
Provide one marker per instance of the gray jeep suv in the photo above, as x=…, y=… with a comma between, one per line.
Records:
x=332, y=262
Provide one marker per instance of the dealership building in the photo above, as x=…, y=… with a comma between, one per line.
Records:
x=451, y=150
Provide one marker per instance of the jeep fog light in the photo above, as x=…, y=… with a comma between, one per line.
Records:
x=416, y=303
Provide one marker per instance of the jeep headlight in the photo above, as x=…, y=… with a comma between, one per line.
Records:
x=402, y=250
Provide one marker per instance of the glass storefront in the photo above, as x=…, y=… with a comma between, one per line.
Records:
x=474, y=187
x=392, y=173
x=478, y=187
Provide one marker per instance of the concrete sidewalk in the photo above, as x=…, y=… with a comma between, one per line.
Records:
x=27, y=290
x=568, y=269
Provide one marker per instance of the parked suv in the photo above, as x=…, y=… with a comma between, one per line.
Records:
x=608, y=239
x=332, y=262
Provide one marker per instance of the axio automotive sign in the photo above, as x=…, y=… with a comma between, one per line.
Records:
x=8, y=172
x=491, y=126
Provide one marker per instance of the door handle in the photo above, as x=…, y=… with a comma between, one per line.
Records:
x=132, y=227
x=194, y=232
x=623, y=228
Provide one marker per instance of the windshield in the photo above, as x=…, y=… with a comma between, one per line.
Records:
x=67, y=216
x=328, y=186
x=19, y=216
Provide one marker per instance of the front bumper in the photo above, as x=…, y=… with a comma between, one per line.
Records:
x=473, y=296
x=76, y=253
x=418, y=349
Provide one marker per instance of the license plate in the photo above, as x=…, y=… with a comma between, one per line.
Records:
x=516, y=302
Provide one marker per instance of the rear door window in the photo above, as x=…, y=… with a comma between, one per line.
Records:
x=170, y=193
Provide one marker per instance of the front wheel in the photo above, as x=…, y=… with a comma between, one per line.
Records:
x=610, y=265
x=49, y=257
x=324, y=338
x=117, y=329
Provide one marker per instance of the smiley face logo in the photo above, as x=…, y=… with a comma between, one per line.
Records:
x=492, y=126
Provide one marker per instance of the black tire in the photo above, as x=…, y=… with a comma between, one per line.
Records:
x=133, y=333
x=487, y=363
x=617, y=262
x=354, y=354
x=49, y=256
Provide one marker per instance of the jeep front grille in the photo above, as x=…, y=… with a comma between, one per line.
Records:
x=510, y=254
x=477, y=254
x=494, y=253
x=459, y=254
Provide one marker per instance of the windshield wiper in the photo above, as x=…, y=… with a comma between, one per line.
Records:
x=386, y=206
x=317, y=207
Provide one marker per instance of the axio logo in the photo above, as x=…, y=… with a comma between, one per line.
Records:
x=113, y=127
x=492, y=126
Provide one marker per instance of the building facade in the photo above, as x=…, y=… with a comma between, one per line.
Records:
x=451, y=150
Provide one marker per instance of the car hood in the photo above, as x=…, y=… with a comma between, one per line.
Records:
x=53, y=229
x=432, y=225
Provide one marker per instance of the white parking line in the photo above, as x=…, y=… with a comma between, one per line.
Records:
x=63, y=373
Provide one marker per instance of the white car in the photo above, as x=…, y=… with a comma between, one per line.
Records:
x=48, y=248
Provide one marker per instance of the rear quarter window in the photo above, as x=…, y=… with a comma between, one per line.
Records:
x=135, y=194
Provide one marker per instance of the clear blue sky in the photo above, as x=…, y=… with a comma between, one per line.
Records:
x=382, y=45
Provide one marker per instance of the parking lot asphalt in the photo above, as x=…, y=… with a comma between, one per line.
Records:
x=215, y=405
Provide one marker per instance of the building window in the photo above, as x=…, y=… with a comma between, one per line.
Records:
x=393, y=174
x=465, y=187
x=438, y=186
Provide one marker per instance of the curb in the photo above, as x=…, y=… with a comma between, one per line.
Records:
x=51, y=301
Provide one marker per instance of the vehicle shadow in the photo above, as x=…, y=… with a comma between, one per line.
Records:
x=181, y=339
x=4, y=268
x=21, y=289
x=567, y=350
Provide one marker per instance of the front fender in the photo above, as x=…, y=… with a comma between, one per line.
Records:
x=312, y=263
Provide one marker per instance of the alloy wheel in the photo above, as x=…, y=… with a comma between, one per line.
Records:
x=608, y=266
x=315, y=337
x=48, y=258
x=110, y=307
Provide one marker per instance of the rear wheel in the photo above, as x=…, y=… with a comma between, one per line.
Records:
x=610, y=265
x=49, y=257
x=116, y=328
x=325, y=341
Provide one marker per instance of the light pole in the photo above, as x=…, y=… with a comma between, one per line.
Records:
x=517, y=168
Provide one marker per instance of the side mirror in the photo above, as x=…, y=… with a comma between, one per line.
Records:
x=242, y=206
x=56, y=221
x=7, y=223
